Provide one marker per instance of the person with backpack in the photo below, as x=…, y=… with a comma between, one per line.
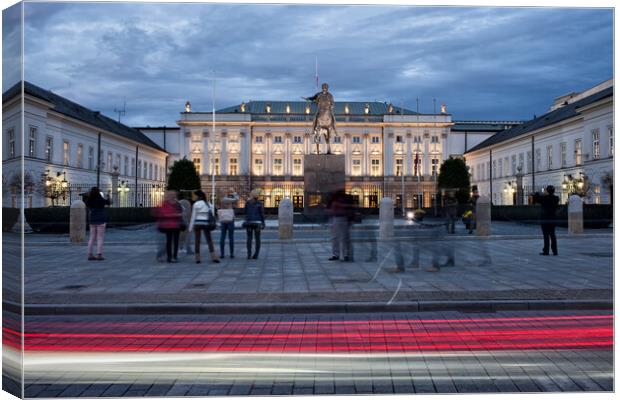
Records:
x=203, y=220
x=226, y=216
x=97, y=219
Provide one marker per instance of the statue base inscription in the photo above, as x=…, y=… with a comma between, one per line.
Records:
x=323, y=174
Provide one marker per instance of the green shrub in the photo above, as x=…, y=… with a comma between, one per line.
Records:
x=9, y=217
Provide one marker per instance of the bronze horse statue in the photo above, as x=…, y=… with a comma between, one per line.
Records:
x=324, y=120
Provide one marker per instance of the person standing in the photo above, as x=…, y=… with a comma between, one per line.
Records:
x=169, y=222
x=203, y=220
x=226, y=216
x=548, y=207
x=340, y=213
x=97, y=218
x=472, y=203
x=185, y=238
x=450, y=208
x=254, y=222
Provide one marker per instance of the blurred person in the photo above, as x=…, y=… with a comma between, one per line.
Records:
x=254, y=222
x=170, y=221
x=185, y=238
x=548, y=207
x=203, y=220
x=472, y=205
x=97, y=219
x=340, y=210
x=226, y=216
x=450, y=209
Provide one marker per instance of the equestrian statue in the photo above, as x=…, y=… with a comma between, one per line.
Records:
x=324, y=120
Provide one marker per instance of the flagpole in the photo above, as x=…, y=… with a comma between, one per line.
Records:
x=316, y=71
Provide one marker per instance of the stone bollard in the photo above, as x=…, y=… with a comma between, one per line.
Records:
x=285, y=219
x=483, y=216
x=575, y=215
x=77, y=222
x=386, y=218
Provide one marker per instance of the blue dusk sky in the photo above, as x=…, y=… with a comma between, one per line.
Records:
x=484, y=63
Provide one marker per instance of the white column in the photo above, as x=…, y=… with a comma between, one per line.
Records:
x=268, y=158
x=306, y=143
x=426, y=169
x=287, y=153
x=365, y=155
x=244, y=142
x=444, y=145
x=187, y=149
x=347, y=154
x=388, y=156
x=224, y=154
x=408, y=166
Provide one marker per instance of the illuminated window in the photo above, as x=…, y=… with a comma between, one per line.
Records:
x=277, y=166
x=297, y=167
x=417, y=139
x=156, y=170
x=337, y=139
x=375, y=167
x=233, y=167
x=596, y=144
x=49, y=149
x=434, y=139
x=65, y=152
x=399, y=166
x=32, y=142
x=196, y=162
x=434, y=165
x=356, y=169
x=597, y=194
x=215, y=166
x=109, y=164
x=11, y=136
x=80, y=155
x=563, y=155
x=578, y=152
x=258, y=166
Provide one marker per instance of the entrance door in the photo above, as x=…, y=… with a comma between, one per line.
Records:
x=298, y=201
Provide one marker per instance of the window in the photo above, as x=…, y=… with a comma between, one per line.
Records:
x=11, y=136
x=118, y=163
x=80, y=156
x=417, y=164
x=258, y=166
x=32, y=142
x=434, y=165
x=486, y=171
x=126, y=167
x=258, y=139
x=297, y=139
x=150, y=171
x=144, y=172
x=578, y=152
x=563, y=155
x=49, y=148
x=538, y=160
x=399, y=139
x=133, y=163
x=356, y=139
x=277, y=166
x=375, y=167
x=399, y=167
x=91, y=157
x=109, y=166
x=494, y=168
x=374, y=139
x=596, y=144
x=506, y=166
x=474, y=173
x=139, y=171
x=337, y=139
x=233, y=167
x=610, y=131
x=277, y=139
x=434, y=139
x=597, y=194
x=196, y=162
x=215, y=166
x=155, y=172
x=65, y=152
x=528, y=167
x=550, y=157
x=500, y=169
x=356, y=169
x=513, y=160
x=297, y=166
x=417, y=139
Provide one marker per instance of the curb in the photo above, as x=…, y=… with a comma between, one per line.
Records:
x=307, y=308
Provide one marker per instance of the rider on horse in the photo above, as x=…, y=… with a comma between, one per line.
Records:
x=324, y=119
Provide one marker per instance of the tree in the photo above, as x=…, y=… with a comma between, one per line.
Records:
x=183, y=176
x=453, y=174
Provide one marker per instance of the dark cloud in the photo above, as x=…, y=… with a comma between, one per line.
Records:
x=484, y=63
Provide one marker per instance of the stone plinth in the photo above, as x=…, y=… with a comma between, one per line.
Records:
x=285, y=219
x=386, y=218
x=77, y=222
x=575, y=215
x=483, y=216
x=323, y=174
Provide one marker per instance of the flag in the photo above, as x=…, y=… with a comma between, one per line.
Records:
x=415, y=165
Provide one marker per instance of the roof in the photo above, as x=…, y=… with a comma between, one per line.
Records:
x=356, y=108
x=71, y=109
x=550, y=118
x=483, y=126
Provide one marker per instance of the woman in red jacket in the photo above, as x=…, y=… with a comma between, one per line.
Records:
x=170, y=222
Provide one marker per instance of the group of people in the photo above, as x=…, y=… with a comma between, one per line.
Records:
x=176, y=219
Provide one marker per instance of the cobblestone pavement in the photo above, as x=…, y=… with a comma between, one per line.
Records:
x=298, y=271
x=199, y=355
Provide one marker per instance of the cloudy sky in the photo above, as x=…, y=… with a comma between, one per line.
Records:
x=484, y=63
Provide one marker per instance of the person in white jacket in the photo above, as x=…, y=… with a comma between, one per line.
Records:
x=202, y=220
x=226, y=217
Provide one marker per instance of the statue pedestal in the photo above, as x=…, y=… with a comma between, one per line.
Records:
x=323, y=174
